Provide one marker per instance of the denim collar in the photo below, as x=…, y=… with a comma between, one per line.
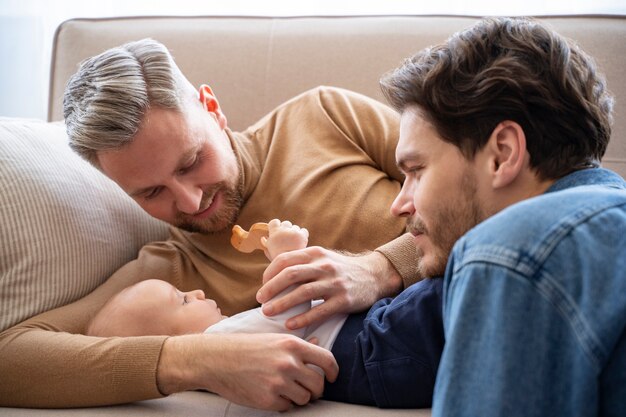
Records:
x=588, y=176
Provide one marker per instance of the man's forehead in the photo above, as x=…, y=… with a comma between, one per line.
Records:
x=414, y=116
x=153, y=155
x=143, y=175
x=413, y=129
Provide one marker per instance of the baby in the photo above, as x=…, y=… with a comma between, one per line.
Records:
x=155, y=307
x=388, y=355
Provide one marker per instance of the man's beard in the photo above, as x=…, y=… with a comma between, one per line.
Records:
x=221, y=220
x=452, y=221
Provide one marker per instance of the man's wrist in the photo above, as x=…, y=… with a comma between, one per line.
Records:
x=173, y=368
x=389, y=281
x=402, y=255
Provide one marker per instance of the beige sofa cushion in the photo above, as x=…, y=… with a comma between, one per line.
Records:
x=64, y=226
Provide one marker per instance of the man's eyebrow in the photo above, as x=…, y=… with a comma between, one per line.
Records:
x=140, y=191
x=409, y=159
x=182, y=162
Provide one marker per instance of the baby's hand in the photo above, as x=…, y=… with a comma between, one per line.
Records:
x=284, y=237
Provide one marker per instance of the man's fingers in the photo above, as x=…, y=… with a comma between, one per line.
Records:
x=317, y=314
x=302, y=293
x=285, y=260
x=299, y=275
x=297, y=394
x=312, y=379
x=280, y=404
x=278, y=304
x=308, y=375
x=324, y=360
x=314, y=340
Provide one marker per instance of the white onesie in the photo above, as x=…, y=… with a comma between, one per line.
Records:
x=254, y=321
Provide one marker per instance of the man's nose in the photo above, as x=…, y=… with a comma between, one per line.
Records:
x=403, y=205
x=187, y=198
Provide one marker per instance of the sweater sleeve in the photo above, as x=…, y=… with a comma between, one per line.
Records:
x=401, y=252
x=47, y=362
x=369, y=124
x=374, y=127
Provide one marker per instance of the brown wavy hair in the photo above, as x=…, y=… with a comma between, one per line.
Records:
x=510, y=69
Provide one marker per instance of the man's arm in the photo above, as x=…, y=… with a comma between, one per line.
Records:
x=46, y=362
x=56, y=369
x=509, y=350
x=266, y=371
x=369, y=124
x=346, y=282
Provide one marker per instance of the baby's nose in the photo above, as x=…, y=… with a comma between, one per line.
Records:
x=199, y=294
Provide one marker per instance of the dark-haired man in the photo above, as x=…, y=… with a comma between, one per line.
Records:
x=504, y=125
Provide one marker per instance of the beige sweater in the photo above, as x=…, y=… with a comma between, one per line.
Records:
x=324, y=160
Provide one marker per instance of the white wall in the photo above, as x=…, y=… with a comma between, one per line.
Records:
x=27, y=27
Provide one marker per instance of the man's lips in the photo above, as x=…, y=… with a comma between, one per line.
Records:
x=207, y=211
x=415, y=232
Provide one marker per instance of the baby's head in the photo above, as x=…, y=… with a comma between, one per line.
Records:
x=154, y=307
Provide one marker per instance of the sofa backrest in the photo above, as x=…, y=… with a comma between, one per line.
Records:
x=255, y=63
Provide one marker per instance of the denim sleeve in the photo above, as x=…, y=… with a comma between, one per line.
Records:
x=510, y=351
x=390, y=360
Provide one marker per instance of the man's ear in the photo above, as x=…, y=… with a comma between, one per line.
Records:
x=507, y=153
x=210, y=104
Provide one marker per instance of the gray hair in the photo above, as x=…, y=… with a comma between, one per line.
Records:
x=106, y=99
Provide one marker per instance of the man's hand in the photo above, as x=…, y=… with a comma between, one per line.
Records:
x=347, y=283
x=268, y=371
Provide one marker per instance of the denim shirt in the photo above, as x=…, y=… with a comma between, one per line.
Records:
x=535, y=307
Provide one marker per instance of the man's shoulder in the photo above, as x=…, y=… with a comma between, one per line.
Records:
x=534, y=226
x=328, y=111
x=324, y=103
x=331, y=93
x=535, y=215
x=332, y=100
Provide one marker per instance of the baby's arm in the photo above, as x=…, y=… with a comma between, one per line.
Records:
x=281, y=237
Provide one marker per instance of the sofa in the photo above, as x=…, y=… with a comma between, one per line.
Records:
x=66, y=228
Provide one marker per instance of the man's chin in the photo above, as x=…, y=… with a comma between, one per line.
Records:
x=224, y=218
x=432, y=266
